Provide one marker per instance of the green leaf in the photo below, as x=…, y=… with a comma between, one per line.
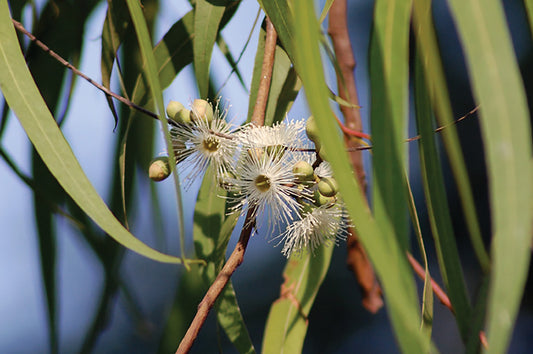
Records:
x=151, y=75
x=506, y=131
x=207, y=16
x=438, y=207
x=438, y=93
x=383, y=248
x=116, y=25
x=427, y=295
x=389, y=81
x=23, y=97
x=325, y=10
x=287, y=320
x=212, y=230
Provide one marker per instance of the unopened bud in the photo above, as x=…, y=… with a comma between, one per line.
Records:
x=201, y=110
x=173, y=107
x=159, y=169
x=303, y=171
x=321, y=199
x=328, y=186
x=183, y=116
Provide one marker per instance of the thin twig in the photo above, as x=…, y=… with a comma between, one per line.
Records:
x=237, y=256
x=415, y=138
x=65, y=63
x=356, y=259
x=439, y=293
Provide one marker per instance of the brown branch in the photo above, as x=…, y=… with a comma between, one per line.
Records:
x=357, y=260
x=258, y=115
x=71, y=67
x=237, y=256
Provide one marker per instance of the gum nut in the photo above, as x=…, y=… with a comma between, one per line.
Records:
x=183, y=116
x=201, y=109
x=159, y=169
x=322, y=199
x=173, y=107
x=311, y=129
x=328, y=187
x=303, y=171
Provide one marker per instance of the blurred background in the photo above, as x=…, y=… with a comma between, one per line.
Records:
x=137, y=311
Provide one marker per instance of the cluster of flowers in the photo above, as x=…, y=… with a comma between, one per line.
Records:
x=271, y=170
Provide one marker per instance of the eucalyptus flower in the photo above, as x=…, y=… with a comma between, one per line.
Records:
x=321, y=226
x=266, y=182
x=279, y=137
x=205, y=142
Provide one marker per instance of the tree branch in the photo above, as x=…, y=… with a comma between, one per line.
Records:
x=237, y=256
x=65, y=63
x=357, y=260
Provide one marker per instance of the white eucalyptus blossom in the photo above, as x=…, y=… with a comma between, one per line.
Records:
x=205, y=142
x=288, y=135
x=324, y=170
x=266, y=183
x=320, y=226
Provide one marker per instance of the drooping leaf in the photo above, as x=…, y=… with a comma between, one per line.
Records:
x=287, y=320
x=383, y=248
x=427, y=295
x=207, y=17
x=25, y=100
x=212, y=230
x=498, y=88
x=389, y=81
x=438, y=207
x=438, y=93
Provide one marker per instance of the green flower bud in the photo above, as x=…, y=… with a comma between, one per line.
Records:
x=303, y=171
x=159, y=169
x=321, y=199
x=183, y=116
x=173, y=107
x=328, y=186
x=311, y=130
x=201, y=109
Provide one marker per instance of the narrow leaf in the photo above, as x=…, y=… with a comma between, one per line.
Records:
x=151, y=74
x=24, y=98
x=438, y=93
x=383, y=248
x=212, y=230
x=389, y=81
x=287, y=320
x=207, y=16
x=438, y=207
x=506, y=130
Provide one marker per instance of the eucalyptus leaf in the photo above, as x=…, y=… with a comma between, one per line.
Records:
x=506, y=131
x=25, y=100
